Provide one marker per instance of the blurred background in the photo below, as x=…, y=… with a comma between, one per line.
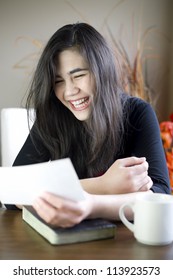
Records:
x=140, y=29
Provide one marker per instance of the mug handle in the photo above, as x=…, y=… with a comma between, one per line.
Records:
x=123, y=218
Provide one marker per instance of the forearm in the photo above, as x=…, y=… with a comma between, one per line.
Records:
x=125, y=175
x=107, y=206
x=93, y=185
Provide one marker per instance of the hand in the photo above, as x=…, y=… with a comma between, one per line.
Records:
x=58, y=211
x=126, y=176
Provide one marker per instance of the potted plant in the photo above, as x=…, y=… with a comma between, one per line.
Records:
x=166, y=130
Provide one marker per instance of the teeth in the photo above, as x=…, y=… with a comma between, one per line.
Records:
x=79, y=102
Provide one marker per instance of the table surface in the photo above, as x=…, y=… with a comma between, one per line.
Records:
x=19, y=241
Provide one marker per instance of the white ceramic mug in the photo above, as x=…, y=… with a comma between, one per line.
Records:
x=153, y=218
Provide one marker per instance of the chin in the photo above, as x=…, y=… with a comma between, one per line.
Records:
x=81, y=116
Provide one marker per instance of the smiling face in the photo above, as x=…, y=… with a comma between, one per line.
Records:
x=74, y=84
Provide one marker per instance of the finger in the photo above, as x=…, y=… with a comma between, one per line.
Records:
x=143, y=182
x=52, y=215
x=131, y=161
x=140, y=181
x=58, y=201
x=147, y=186
x=44, y=209
x=59, y=211
x=62, y=204
x=139, y=169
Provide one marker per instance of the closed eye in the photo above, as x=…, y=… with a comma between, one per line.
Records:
x=79, y=76
x=58, y=81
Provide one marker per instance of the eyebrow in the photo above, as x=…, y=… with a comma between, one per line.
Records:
x=77, y=70
x=74, y=71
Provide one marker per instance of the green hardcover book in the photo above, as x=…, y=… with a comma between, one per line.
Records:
x=87, y=230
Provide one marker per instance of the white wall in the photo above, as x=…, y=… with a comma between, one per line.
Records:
x=39, y=19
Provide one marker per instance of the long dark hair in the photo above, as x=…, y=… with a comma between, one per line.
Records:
x=91, y=145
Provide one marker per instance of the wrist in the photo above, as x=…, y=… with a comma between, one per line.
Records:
x=93, y=209
x=93, y=185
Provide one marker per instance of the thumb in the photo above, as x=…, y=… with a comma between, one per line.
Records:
x=131, y=161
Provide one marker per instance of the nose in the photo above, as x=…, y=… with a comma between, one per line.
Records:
x=70, y=88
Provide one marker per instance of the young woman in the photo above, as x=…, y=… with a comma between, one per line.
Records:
x=112, y=139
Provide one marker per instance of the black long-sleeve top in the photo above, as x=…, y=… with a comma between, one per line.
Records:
x=141, y=139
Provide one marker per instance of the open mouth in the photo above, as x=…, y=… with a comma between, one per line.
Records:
x=80, y=104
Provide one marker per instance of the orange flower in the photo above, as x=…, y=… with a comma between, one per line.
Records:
x=166, y=131
x=169, y=157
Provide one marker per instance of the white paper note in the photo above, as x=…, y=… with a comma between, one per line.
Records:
x=23, y=184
